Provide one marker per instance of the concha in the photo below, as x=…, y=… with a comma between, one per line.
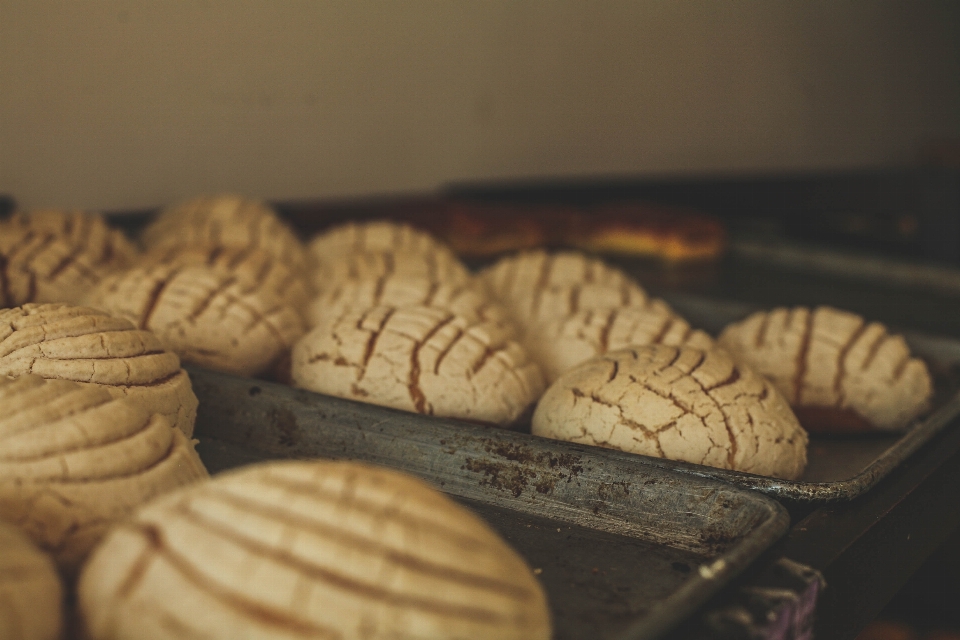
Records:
x=838, y=371
x=465, y=299
x=680, y=403
x=422, y=359
x=74, y=461
x=65, y=342
x=563, y=343
x=538, y=287
x=31, y=594
x=207, y=317
x=226, y=220
x=255, y=269
x=309, y=549
x=377, y=236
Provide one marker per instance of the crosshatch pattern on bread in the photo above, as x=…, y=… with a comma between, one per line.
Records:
x=81, y=344
x=563, y=343
x=842, y=372
x=74, y=460
x=422, y=359
x=207, y=317
x=54, y=255
x=226, y=221
x=316, y=549
x=537, y=286
x=679, y=403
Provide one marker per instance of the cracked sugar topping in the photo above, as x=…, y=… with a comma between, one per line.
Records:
x=399, y=559
x=680, y=403
x=74, y=460
x=834, y=367
x=59, y=341
x=422, y=359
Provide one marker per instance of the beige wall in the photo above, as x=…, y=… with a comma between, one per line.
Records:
x=130, y=103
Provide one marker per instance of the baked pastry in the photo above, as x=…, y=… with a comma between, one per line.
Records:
x=436, y=266
x=839, y=372
x=563, y=343
x=205, y=316
x=679, y=403
x=309, y=549
x=377, y=236
x=31, y=595
x=54, y=255
x=537, y=287
x=226, y=221
x=422, y=359
x=58, y=341
x=74, y=460
x=465, y=299
x=253, y=268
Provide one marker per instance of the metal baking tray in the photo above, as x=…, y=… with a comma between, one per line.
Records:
x=838, y=468
x=624, y=548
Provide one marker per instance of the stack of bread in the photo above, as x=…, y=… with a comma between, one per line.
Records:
x=400, y=322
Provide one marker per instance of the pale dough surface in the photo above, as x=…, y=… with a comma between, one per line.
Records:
x=81, y=344
x=31, y=593
x=679, y=403
x=206, y=316
x=422, y=359
x=377, y=236
x=254, y=268
x=825, y=357
x=563, y=343
x=74, y=461
x=538, y=287
x=309, y=549
x=227, y=220
x=466, y=299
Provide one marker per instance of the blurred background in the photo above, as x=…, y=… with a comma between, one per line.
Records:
x=114, y=104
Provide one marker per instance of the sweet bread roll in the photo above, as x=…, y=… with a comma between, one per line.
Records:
x=64, y=342
x=74, y=460
x=561, y=344
x=679, y=403
x=253, y=268
x=54, y=255
x=421, y=359
x=378, y=236
x=226, y=221
x=434, y=266
x=105, y=247
x=465, y=299
x=207, y=317
x=839, y=372
x=31, y=595
x=537, y=286
x=309, y=550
